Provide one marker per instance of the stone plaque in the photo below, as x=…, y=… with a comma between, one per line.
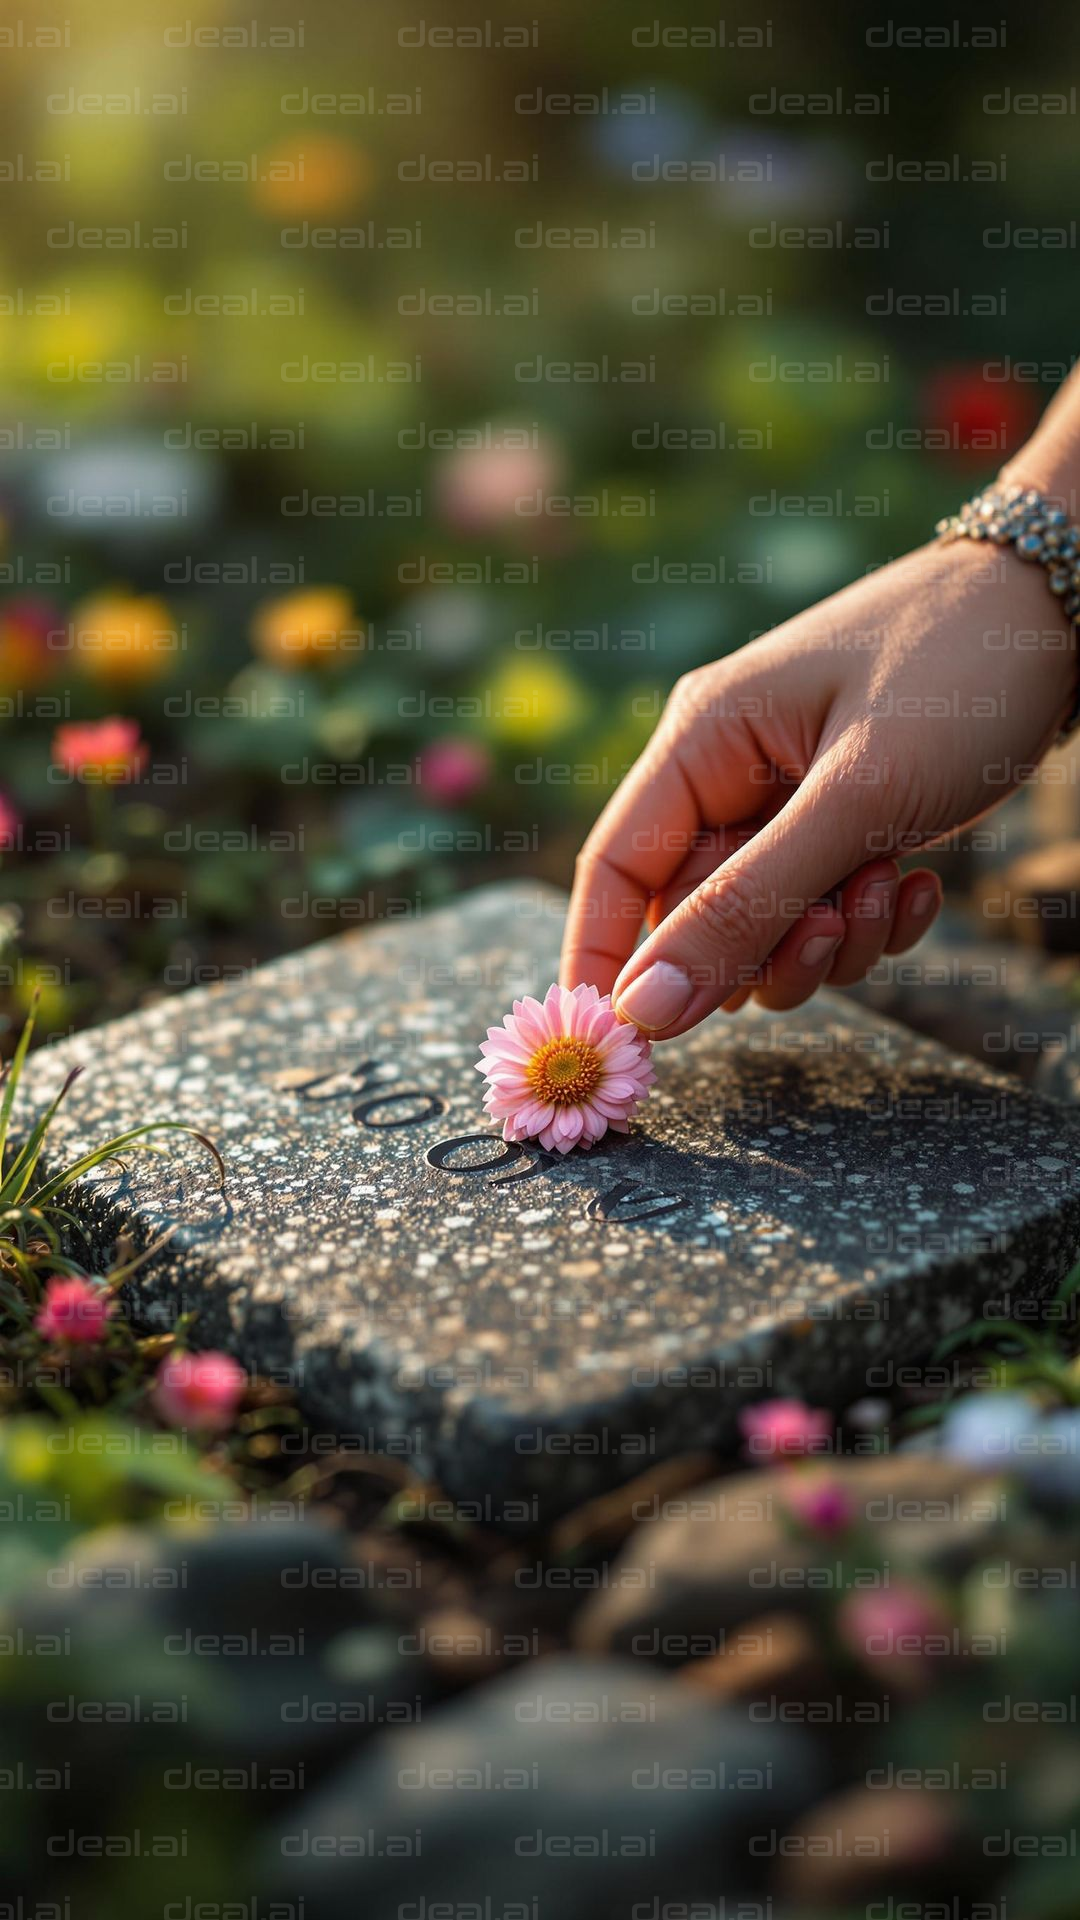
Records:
x=804, y=1201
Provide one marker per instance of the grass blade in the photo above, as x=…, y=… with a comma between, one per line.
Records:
x=44, y=1195
x=977, y=1330
x=15, y=1183
x=11, y=1077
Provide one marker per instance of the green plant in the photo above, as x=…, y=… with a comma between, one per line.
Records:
x=1014, y=1357
x=33, y=1224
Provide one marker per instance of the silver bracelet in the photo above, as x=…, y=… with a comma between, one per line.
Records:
x=1024, y=519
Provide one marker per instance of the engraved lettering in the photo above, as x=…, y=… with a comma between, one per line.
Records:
x=511, y=1152
x=644, y=1203
x=342, y=1085
x=438, y=1155
x=435, y=1104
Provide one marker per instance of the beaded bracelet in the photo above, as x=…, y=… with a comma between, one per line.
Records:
x=1020, y=517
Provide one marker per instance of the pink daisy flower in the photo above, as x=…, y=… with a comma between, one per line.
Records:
x=564, y=1070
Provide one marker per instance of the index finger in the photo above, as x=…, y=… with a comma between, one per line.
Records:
x=636, y=846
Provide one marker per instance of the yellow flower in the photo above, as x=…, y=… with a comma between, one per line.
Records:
x=534, y=700
x=119, y=637
x=53, y=1000
x=28, y=1456
x=308, y=628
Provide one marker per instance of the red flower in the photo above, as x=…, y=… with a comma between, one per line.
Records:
x=980, y=417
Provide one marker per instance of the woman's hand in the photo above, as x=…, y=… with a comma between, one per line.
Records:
x=756, y=833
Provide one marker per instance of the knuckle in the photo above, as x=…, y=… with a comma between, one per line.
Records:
x=689, y=697
x=590, y=867
x=724, y=909
x=869, y=759
x=885, y=776
x=687, y=682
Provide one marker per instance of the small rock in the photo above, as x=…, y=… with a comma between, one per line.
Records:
x=587, y=1786
x=727, y=1551
x=1036, y=898
x=255, y=1628
x=460, y=1646
x=868, y=1415
x=777, y=1654
x=864, y=1841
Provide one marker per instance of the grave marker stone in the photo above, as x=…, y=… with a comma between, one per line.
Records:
x=804, y=1201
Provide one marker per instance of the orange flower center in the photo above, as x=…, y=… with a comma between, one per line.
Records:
x=564, y=1072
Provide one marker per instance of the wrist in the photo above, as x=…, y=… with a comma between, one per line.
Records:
x=1049, y=462
x=1007, y=607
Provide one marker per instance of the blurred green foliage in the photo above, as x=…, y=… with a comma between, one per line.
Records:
x=823, y=328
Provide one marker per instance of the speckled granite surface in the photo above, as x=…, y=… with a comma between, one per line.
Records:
x=805, y=1200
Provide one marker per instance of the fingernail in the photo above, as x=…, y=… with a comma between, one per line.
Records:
x=877, y=900
x=656, y=997
x=922, y=901
x=816, y=951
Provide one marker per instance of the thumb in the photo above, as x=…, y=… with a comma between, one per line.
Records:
x=721, y=933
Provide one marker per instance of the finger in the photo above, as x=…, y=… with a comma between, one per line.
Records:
x=874, y=917
x=800, y=963
x=625, y=858
x=864, y=906
x=918, y=905
x=867, y=902
x=737, y=1000
x=605, y=912
x=711, y=849
x=734, y=919
x=646, y=831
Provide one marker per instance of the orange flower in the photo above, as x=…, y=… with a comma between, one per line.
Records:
x=317, y=175
x=306, y=628
x=26, y=626
x=119, y=637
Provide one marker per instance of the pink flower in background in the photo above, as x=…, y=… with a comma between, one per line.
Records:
x=452, y=769
x=74, y=1312
x=102, y=749
x=785, y=1427
x=199, y=1390
x=479, y=487
x=889, y=1623
x=9, y=826
x=564, y=1070
x=823, y=1505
